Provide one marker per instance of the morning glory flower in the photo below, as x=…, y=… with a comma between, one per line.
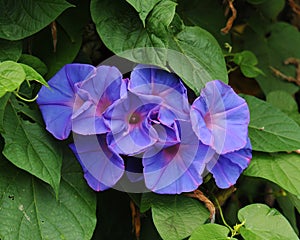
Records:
x=102, y=167
x=94, y=96
x=177, y=168
x=129, y=121
x=153, y=81
x=57, y=102
x=227, y=168
x=78, y=95
x=220, y=118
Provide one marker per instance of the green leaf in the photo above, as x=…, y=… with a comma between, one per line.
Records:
x=30, y=147
x=282, y=100
x=3, y=103
x=30, y=210
x=262, y=222
x=31, y=74
x=193, y=53
x=66, y=50
x=197, y=58
x=11, y=76
x=20, y=19
x=280, y=168
x=267, y=45
x=271, y=8
x=34, y=62
x=247, y=61
x=288, y=210
x=270, y=130
x=10, y=50
x=208, y=15
x=211, y=232
x=295, y=200
x=143, y=7
x=176, y=216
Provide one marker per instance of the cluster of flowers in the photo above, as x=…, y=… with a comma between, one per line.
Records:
x=147, y=118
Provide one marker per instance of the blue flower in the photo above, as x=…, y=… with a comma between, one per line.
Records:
x=77, y=98
x=57, y=103
x=129, y=121
x=102, y=167
x=220, y=118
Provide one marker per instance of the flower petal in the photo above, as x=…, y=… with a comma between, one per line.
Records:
x=56, y=103
x=102, y=167
x=129, y=122
x=220, y=118
x=149, y=80
x=94, y=96
x=227, y=168
x=176, y=169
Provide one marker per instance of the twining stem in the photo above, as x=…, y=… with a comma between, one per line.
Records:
x=222, y=216
x=136, y=220
x=230, y=21
x=208, y=204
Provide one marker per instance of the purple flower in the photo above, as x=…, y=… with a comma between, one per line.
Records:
x=94, y=96
x=227, y=168
x=152, y=81
x=178, y=168
x=102, y=167
x=220, y=118
x=130, y=123
x=77, y=97
x=57, y=103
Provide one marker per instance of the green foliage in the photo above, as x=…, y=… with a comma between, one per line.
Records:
x=157, y=45
x=29, y=147
x=246, y=60
x=175, y=216
x=262, y=222
x=210, y=231
x=42, y=187
x=266, y=42
x=280, y=168
x=28, y=17
x=273, y=132
x=29, y=209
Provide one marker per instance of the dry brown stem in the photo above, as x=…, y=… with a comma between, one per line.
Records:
x=208, y=204
x=230, y=21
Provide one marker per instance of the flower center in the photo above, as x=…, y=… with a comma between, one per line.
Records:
x=134, y=118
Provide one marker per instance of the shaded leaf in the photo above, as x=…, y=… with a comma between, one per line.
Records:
x=270, y=130
x=208, y=15
x=193, y=53
x=30, y=147
x=266, y=42
x=66, y=49
x=3, y=103
x=20, y=19
x=280, y=168
x=29, y=208
x=262, y=222
x=10, y=50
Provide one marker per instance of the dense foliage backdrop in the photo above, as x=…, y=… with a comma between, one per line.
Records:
x=253, y=45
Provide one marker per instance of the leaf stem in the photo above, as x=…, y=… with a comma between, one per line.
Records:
x=24, y=99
